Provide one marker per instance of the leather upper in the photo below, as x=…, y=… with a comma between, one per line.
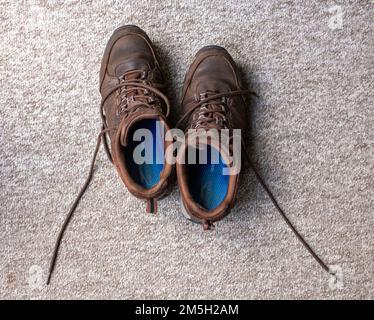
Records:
x=212, y=98
x=214, y=71
x=131, y=86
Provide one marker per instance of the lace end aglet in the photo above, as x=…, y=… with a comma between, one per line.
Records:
x=49, y=279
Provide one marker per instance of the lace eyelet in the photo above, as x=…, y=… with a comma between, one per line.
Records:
x=144, y=75
x=203, y=96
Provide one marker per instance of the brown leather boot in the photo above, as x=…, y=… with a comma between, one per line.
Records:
x=213, y=98
x=131, y=85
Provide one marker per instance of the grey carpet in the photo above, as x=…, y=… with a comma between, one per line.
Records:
x=311, y=134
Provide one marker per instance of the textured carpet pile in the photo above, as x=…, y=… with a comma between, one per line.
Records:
x=311, y=133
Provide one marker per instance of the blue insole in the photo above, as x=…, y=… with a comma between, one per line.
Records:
x=207, y=183
x=146, y=175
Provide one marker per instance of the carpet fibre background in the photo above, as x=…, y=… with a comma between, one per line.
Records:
x=311, y=133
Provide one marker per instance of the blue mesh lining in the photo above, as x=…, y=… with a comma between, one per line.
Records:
x=146, y=175
x=207, y=184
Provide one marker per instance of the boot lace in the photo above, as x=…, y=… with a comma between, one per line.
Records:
x=210, y=111
x=134, y=92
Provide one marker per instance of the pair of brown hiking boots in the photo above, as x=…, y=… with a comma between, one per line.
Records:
x=135, y=111
x=132, y=88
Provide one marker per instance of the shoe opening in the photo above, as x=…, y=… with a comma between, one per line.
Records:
x=206, y=180
x=146, y=174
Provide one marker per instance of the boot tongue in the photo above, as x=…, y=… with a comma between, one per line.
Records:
x=139, y=106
